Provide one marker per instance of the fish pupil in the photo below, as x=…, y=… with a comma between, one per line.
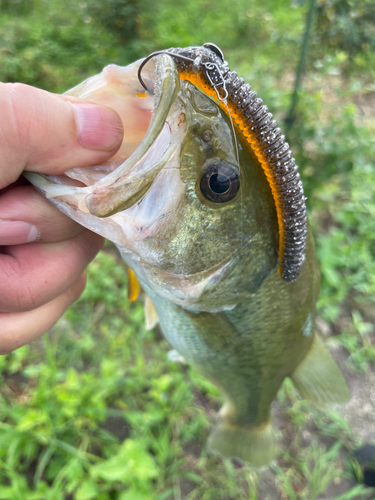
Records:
x=219, y=183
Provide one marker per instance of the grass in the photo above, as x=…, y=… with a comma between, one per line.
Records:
x=95, y=410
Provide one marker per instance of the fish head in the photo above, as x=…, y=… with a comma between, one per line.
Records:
x=184, y=199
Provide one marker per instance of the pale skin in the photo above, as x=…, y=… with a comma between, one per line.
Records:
x=43, y=253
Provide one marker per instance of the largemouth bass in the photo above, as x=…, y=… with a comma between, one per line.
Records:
x=205, y=204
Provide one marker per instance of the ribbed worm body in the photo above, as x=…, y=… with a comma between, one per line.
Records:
x=211, y=74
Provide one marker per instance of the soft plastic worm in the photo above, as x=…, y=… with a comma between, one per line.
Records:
x=261, y=132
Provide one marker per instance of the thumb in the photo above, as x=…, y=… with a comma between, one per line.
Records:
x=49, y=133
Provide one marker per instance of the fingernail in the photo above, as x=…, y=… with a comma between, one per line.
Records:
x=17, y=233
x=98, y=127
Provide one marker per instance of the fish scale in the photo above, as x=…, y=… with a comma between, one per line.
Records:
x=214, y=227
x=252, y=117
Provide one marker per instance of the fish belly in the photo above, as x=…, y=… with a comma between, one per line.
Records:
x=248, y=351
x=243, y=366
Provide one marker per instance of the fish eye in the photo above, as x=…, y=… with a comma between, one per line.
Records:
x=221, y=182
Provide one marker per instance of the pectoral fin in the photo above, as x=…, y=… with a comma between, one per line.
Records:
x=151, y=316
x=134, y=287
x=318, y=379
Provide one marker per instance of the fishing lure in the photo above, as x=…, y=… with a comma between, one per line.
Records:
x=206, y=68
x=208, y=210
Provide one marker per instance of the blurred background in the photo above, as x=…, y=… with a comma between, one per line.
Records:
x=94, y=410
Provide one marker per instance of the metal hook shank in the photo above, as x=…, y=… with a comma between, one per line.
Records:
x=145, y=61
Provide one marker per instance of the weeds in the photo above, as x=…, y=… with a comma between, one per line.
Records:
x=95, y=410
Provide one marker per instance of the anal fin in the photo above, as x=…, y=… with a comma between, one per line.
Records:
x=318, y=379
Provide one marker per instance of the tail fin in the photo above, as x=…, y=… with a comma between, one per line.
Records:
x=254, y=445
x=318, y=379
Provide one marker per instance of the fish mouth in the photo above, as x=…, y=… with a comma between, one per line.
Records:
x=152, y=132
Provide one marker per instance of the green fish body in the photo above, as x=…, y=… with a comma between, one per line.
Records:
x=226, y=258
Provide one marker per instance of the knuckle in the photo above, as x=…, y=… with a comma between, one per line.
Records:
x=12, y=126
x=23, y=118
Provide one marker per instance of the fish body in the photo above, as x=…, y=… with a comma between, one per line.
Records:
x=220, y=246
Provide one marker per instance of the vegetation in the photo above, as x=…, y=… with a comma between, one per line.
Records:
x=95, y=410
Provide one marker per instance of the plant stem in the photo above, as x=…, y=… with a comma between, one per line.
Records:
x=291, y=115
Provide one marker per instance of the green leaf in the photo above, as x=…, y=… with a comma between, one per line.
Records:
x=134, y=494
x=87, y=491
x=6, y=493
x=353, y=493
x=131, y=463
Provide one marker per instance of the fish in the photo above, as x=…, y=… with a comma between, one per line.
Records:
x=206, y=206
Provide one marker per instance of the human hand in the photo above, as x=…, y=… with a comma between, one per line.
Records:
x=43, y=253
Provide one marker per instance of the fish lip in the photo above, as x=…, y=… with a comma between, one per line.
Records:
x=123, y=187
x=121, y=194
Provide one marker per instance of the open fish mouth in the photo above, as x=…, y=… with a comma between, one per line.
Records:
x=153, y=129
x=183, y=161
x=137, y=198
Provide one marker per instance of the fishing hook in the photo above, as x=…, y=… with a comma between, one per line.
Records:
x=216, y=80
x=145, y=61
x=210, y=66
